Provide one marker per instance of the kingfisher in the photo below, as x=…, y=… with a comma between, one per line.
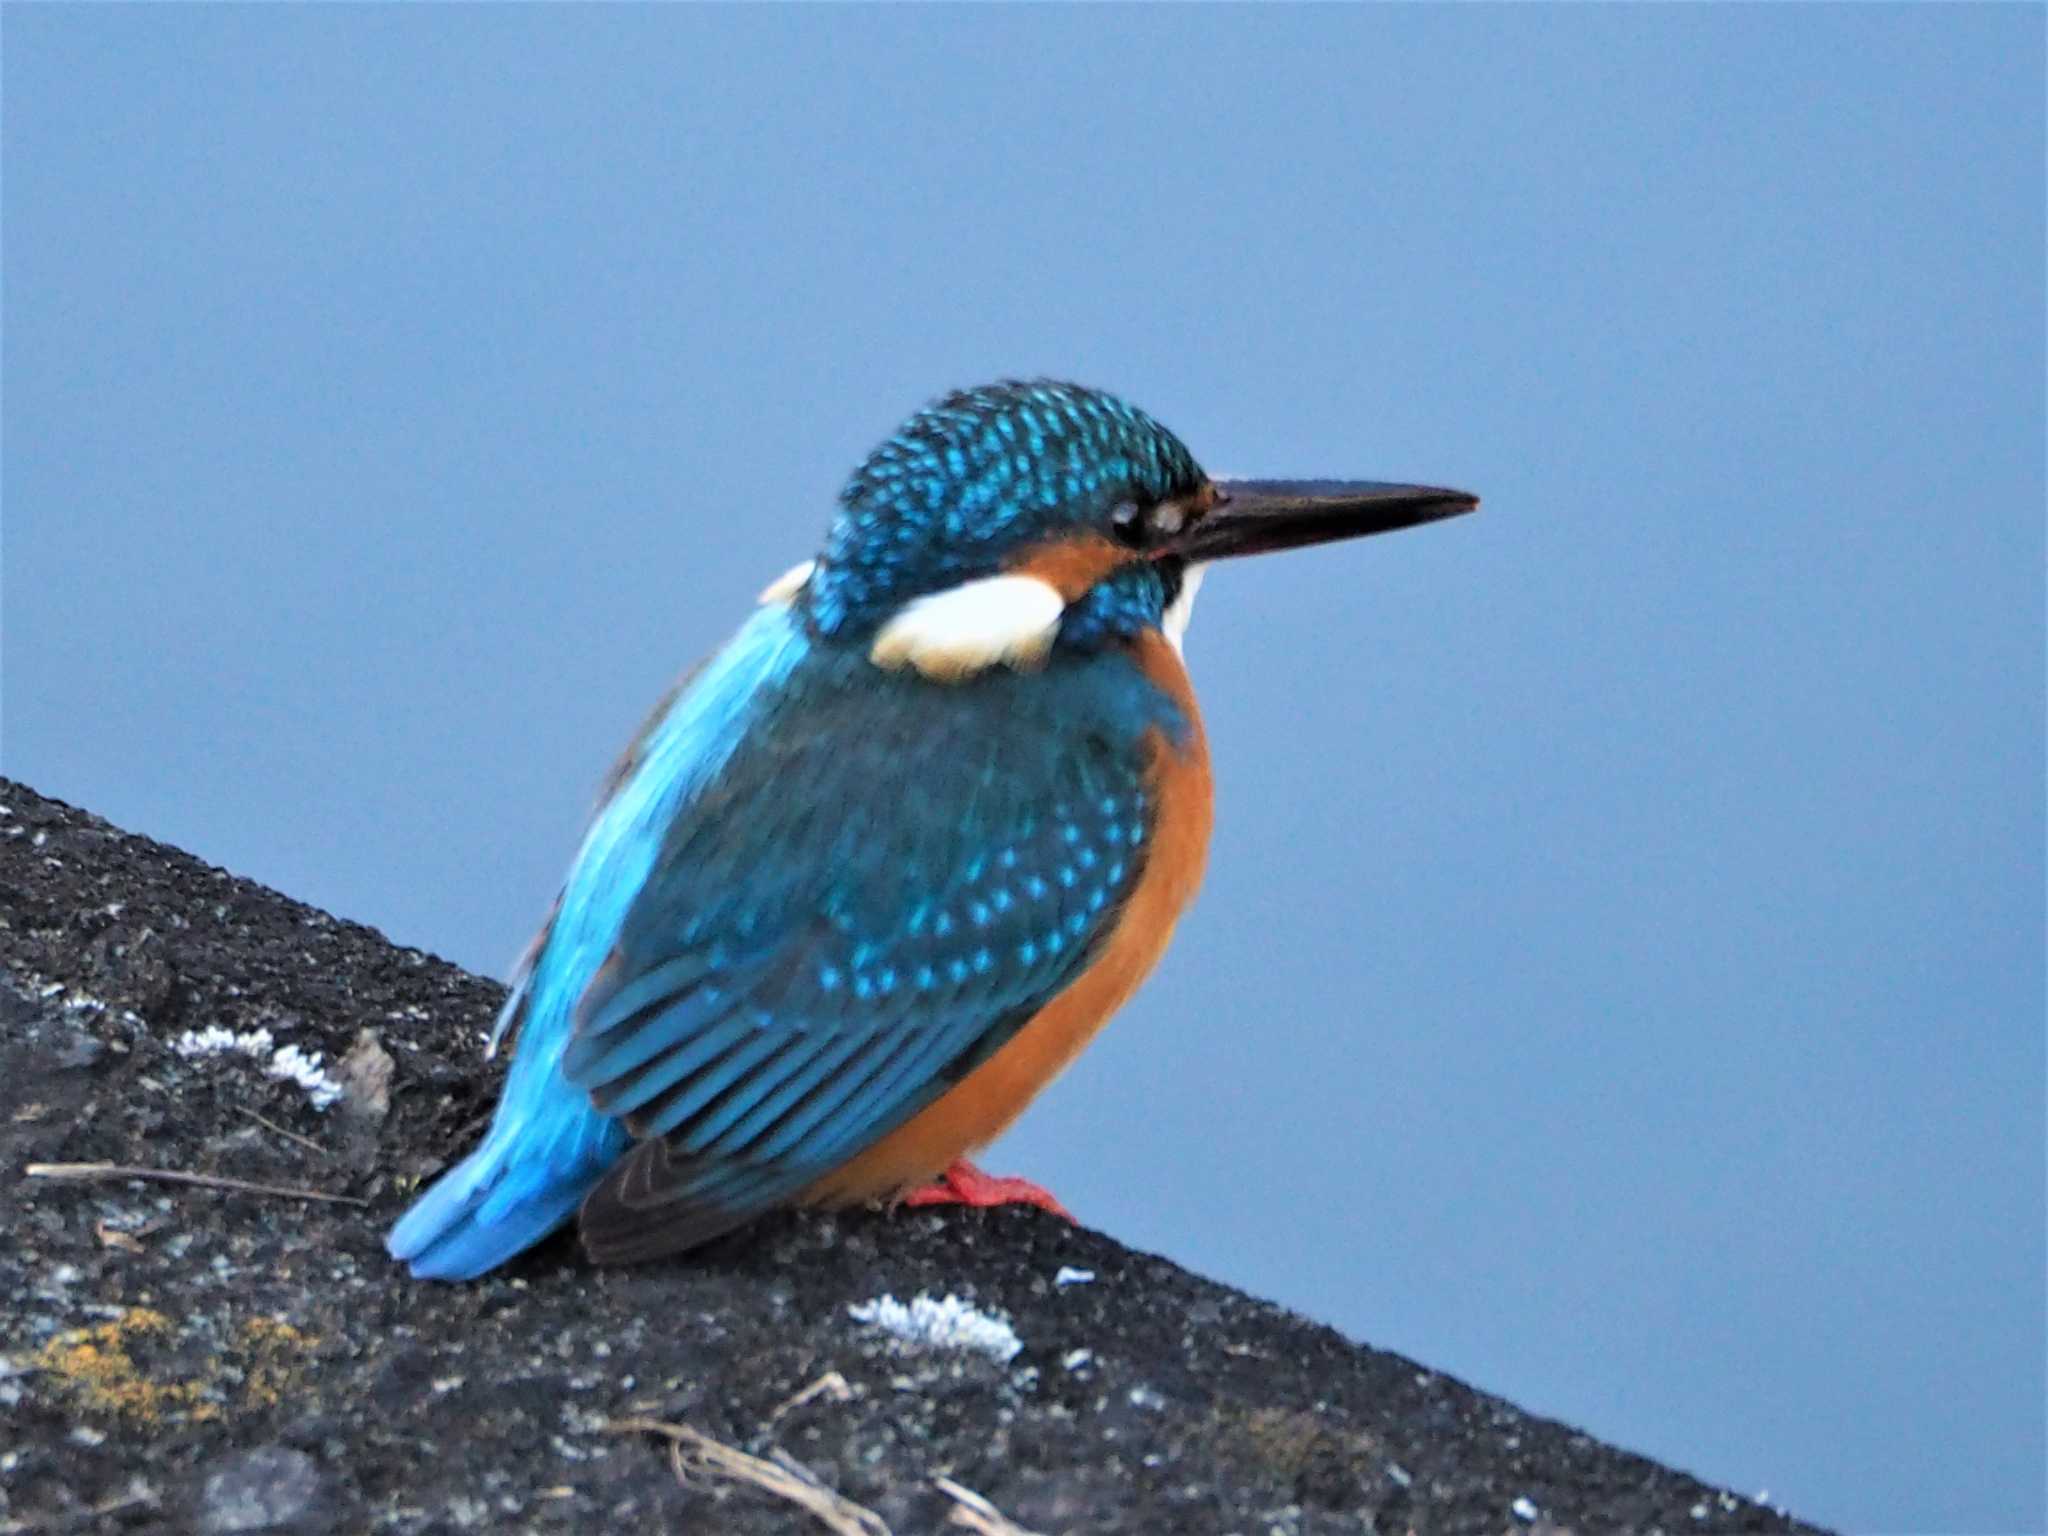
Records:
x=872, y=875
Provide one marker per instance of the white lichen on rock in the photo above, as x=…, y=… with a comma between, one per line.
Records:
x=285, y=1062
x=948, y=1323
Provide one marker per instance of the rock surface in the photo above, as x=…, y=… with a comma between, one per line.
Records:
x=189, y=1358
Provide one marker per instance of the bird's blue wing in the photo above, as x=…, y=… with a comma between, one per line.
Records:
x=547, y=1145
x=880, y=885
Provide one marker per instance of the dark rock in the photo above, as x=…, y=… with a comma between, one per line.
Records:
x=74, y=1050
x=271, y=1488
x=133, y=959
x=261, y=1360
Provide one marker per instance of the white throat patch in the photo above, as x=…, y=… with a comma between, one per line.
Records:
x=1175, y=620
x=784, y=588
x=967, y=629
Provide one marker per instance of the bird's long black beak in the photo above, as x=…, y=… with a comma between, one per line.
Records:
x=1253, y=516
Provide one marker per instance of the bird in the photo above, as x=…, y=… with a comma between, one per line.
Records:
x=875, y=872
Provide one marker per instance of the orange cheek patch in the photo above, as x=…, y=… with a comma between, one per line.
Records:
x=1072, y=566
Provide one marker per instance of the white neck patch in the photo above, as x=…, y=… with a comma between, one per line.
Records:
x=1175, y=620
x=951, y=635
x=784, y=588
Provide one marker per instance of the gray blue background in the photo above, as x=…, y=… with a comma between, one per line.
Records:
x=1620, y=979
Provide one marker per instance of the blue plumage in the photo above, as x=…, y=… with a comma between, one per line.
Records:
x=898, y=816
x=807, y=908
x=872, y=901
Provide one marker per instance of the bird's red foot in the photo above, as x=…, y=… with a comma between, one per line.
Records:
x=964, y=1184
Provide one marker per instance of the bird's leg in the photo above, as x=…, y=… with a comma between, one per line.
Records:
x=964, y=1184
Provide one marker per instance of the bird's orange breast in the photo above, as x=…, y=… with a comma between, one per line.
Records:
x=982, y=1105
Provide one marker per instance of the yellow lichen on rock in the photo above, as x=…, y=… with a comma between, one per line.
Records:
x=95, y=1363
x=276, y=1350
x=97, y=1366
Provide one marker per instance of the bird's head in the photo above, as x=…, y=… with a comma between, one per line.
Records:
x=1002, y=521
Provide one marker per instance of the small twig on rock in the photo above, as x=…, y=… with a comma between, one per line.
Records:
x=830, y=1385
x=271, y=1125
x=692, y=1452
x=92, y=1171
x=795, y=1468
x=976, y=1513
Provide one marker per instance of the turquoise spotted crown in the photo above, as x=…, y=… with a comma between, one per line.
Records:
x=979, y=475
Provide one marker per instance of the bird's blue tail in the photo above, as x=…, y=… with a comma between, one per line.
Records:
x=465, y=1225
x=547, y=1147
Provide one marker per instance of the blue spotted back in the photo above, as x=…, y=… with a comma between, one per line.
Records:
x=866, y=902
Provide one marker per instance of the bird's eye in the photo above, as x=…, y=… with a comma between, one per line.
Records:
x=1127, y=522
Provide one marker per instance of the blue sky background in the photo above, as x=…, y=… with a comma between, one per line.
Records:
x=1620, y=979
